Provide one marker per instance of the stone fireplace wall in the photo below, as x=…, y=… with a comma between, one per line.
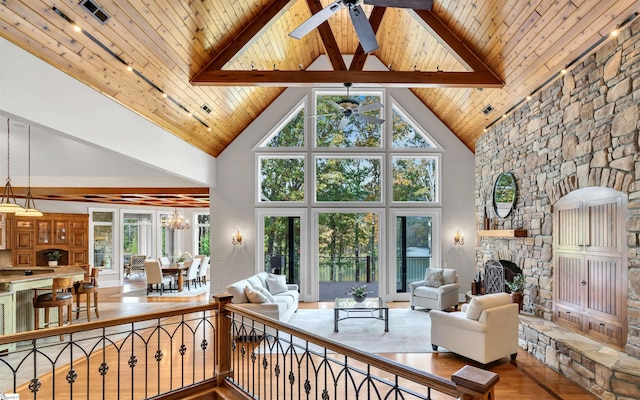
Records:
x=579, y=131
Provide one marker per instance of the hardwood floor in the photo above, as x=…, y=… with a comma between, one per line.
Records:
x=525, y=378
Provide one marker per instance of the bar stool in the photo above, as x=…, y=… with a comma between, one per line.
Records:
x=60, y=296
x=88, y=287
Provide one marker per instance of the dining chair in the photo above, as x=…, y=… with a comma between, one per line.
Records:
x=203, y=270
x=191, y=275
x=156, y=277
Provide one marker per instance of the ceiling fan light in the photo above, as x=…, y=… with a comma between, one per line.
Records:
x=349, y=104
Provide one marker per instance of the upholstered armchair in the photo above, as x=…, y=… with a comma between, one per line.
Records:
x=438, y=291
x=485, y=330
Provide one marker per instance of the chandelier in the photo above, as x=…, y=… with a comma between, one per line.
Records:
x=175, y=221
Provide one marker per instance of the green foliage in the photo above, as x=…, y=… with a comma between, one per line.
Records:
x=54, y=255
x=282, y=179
x=517, y=284
x=357, y=133
x=130, y=236
x=414, y=179
x=291, y=135
x=359, y=291
x=348, y=179
x=204, y=243
x=405, y=136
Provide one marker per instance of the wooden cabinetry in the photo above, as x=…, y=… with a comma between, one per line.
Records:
x=589, y=269
x=32, y=238
x=3, y=232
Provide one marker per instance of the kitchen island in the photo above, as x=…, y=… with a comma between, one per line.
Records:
x=16, y=294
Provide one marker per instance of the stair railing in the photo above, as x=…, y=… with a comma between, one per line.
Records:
x=272, y=360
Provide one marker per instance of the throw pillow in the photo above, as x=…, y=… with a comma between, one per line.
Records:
x=255, y=296
x=266, y=293
x=276, y=283
x=481, y=303
x=433, y=278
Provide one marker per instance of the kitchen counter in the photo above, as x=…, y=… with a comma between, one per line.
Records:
x=16, y=294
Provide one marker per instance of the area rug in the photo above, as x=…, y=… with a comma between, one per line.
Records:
x=409, y=330
x=195, y=291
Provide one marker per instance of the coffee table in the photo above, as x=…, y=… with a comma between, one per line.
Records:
x=353, y=309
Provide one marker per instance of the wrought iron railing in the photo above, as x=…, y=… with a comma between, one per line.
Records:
x=134, y=358
x=174, y=354
x=271, y=360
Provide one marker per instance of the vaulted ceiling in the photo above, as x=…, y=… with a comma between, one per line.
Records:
x=203, y=70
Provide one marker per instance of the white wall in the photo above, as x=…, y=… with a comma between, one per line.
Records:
x=233, y=198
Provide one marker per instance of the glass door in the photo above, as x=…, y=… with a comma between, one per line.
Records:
x=137, y=235
x=348, y=251
x=282, y=246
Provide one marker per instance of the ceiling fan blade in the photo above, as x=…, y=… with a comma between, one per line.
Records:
x=363, y=29
x=415, y=4
x=335, y=105
x=367, y=118
x=368, y=107
x=343, y=123
x=316, y=19
x=321, y=115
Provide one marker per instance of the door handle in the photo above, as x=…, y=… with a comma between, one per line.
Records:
x=583, y=282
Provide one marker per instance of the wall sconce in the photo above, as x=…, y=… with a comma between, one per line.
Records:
x=458, y=238
x=236, y=238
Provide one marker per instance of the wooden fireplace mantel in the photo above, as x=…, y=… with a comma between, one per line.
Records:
x=508, y=233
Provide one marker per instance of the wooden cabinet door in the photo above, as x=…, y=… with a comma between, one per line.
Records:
x=44, y=232
x=78, y=257
x=23, y=258
x=22, y=240
x=589, y=276
x=60, y=232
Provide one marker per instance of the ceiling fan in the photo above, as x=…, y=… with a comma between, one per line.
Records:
x=360, y=22
x=350, y=108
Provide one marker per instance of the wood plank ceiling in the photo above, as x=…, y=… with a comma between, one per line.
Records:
x=172, y=48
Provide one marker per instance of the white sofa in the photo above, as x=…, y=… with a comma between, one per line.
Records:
x=439, y=297
x=282, y=308
x=485, y=330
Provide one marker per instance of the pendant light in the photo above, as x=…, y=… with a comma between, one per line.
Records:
x=8, y=202
x=30, y=209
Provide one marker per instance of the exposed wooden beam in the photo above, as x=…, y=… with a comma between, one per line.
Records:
x=359, y=58
x=328, y=39
x=484, y=79
x=247, y=36
x=456, y=47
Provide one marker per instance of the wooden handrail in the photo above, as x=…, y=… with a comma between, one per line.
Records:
x=401, y=370
x=105, y=323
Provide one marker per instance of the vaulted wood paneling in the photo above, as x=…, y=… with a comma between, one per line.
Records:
x=167, y=43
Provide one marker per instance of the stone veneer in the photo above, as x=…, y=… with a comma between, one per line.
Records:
x=579, y=131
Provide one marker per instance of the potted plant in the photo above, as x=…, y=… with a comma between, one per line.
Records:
x=517, y=287
x=180, y=261
x=53, y=257
x=359, y=293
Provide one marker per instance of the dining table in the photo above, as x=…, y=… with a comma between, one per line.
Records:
x=175, y=268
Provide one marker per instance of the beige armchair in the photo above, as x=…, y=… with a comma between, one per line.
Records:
x=438, y=291
x=485, y=330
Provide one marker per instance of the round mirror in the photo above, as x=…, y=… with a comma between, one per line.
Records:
x=504, y=194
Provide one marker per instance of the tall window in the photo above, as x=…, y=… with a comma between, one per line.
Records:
x=353, y=170
x=102, y=230
x=137, y=235
x=202, y=234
